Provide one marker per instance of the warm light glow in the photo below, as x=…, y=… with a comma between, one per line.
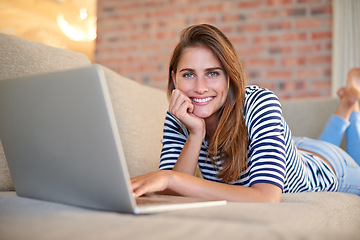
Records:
x=80, y=27
x=83, y=13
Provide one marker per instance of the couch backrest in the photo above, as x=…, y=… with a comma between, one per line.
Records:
x=307, y=117
x=140, y=113
x=20, y=57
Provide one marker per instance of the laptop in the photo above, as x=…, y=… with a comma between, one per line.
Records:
x=62, y=144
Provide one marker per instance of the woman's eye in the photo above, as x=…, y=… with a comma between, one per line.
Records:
x=188, y=75
x=213, y=74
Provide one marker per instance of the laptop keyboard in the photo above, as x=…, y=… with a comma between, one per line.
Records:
x=145, y=200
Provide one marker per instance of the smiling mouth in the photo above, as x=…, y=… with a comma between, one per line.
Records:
x=202, y=100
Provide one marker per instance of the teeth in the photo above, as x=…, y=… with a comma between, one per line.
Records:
x=202, y=100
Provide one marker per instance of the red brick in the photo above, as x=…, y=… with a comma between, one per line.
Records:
x=321, y=35
x=292, y=86
x=215, y=8
x=166, y=35
x=267, y=85
x=249, y=4
x=162, y=58
x=140, y=37
x=309, y=48
x=228, y=30
x=293, y=61
x=266, y=14
x=190, y=11
x=290, y=37
x=327, y=72
x=251, y=51
x=210, y=20
x=127, y=69
x=128, y=6
x=150, y=47
x=238, y=40
x=250, y=27
x=328, y=23
x=127, y=27
x=161, y=78
x=137, y=15
x=318, y=60
x=262, y=62
x=328, y=47
x=280, y=49
x=231, y=17
x=265, y=39
x=321, y=85
x=164, y=13
x=149, y=67
x=153, y=3
x=308, y=23
x=284, y=96
x=309, y=73
x=321, y=10
x=309, y=1
x=176, y=23
x=279, y=2
x=294, y=12
x=279, y=25
x=279, y=74
x=250, y=74
x=127, y=48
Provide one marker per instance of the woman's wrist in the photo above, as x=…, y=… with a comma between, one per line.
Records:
x=199, y=136
x=188, y=158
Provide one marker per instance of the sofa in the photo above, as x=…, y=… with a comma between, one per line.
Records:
x=322, y=215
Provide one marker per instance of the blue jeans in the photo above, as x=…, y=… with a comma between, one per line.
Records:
x=345, y=164
x=335, y=129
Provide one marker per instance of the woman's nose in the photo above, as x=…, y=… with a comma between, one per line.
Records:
x=201, y=85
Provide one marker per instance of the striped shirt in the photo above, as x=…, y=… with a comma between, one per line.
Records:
x=272, y=155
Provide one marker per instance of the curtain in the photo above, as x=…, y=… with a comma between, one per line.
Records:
x=346, y=40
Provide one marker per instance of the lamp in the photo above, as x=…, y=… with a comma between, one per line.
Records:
x=78, y=23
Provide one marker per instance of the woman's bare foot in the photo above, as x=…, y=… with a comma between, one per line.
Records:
x=349, y=95
x=353, y=83
x=353, y=78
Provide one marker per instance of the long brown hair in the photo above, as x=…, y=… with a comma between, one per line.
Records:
x=230, y=140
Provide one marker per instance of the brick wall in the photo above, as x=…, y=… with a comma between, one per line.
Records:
x=285, y=45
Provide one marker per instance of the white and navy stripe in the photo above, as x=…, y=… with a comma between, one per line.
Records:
x=272, y=155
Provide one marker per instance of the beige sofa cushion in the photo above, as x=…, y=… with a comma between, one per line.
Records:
x=317, y=216
x=6, y=183
x=140, y=112
x=307, y=117
x=20, y=57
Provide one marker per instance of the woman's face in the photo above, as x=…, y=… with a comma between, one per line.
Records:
x=201, y=77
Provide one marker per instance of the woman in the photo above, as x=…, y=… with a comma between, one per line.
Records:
x=237, y=135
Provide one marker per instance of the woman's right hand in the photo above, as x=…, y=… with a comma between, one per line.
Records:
x=182, y=108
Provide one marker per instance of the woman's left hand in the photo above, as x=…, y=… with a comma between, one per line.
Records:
x=175, y=183
x=151, y=182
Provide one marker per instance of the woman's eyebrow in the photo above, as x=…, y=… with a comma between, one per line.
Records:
x=214, y=68
x=187, y=70
x=207, y=69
